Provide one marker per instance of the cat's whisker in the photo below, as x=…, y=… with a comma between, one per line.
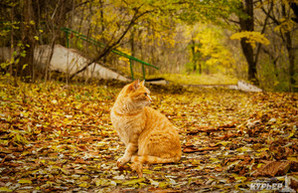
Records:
x=150, y=99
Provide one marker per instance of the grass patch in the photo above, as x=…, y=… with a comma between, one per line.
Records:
x=197, y=78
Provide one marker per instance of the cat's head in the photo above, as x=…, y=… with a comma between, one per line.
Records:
x=137, y=93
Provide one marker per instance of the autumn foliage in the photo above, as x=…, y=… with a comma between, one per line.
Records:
x=58, y=137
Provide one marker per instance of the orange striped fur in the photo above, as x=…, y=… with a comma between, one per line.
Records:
x=148, y=135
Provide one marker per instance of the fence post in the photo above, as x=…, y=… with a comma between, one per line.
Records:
x=131, y=69
x=67, y=38
x=144, y=71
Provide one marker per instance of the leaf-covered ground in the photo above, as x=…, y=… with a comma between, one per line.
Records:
x=57, y=137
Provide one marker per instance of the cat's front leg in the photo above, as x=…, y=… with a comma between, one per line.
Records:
x=131, y=149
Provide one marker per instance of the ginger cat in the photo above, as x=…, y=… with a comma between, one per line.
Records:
x=148, y=135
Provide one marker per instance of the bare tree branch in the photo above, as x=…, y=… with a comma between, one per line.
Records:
x=109, y=48
x=262, y=32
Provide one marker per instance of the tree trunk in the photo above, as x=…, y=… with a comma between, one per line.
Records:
x=249, y=56
x=247, y=24
x=132, y=47
x=194, y=62
x=287, y=38
x=48, y=63
x=294, y=7
x=26, y=67
x=11, y=42
x=291, y=52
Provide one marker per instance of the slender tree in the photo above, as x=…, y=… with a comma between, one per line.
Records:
x=283, y=20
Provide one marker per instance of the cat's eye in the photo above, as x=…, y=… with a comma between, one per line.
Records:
x=145, y=94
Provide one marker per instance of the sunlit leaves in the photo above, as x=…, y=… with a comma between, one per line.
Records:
x=209, y=49
x=114, y=16
x=251, y=37
x=206, y=11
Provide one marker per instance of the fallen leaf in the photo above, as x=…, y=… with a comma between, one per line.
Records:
x=5, y=189
x=25, y=181
x=194, y=149
x=133, y=182
x=84, y=185
x=274, y=168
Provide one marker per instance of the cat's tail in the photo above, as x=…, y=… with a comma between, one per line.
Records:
x=138, y=161
x=154, y=159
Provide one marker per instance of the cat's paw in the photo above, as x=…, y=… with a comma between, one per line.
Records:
x=121, y=161
x=138, y=168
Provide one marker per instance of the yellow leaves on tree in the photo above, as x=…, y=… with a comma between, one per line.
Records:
x=153, y=26
x=251, y=37
x=210, y=45
x=112, y=17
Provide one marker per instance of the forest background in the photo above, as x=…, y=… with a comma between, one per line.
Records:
x=187, y=40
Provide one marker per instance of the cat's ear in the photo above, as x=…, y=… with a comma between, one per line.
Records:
x=134, y=85
x=142, y=83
